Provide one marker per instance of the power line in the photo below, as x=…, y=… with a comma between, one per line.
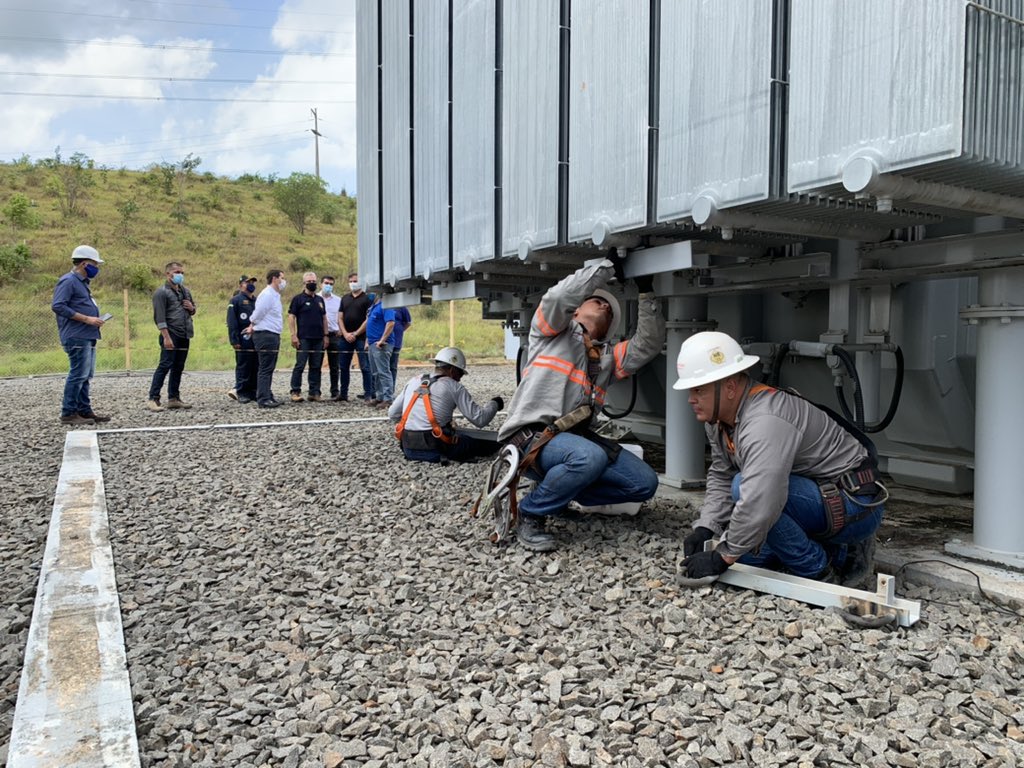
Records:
x=169, y=47
x=241, y=81
x=114, y=97
x=240, y=10
x=261, y=28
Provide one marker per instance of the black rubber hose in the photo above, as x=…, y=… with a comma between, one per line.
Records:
x=780, y=357
x=894, y=401
x=629, y=408
x=857, y=417
x=519, y=364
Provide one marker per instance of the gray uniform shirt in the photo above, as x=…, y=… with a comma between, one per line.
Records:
x=446, y=394
x=776, y=435
x=169, y=313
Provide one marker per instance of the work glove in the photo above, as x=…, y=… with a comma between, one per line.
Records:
x=500, y=402
x=704, y=564
x=619, y=262
x=694, y=543
x=644, y=283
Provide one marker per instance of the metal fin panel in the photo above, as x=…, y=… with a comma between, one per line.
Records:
x=396, y=117
x=608, y=110
x=368, y=210
x=715, y=98
x=430, y=136
x=530, y=124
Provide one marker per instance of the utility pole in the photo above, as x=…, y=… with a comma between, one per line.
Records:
x=316, y=132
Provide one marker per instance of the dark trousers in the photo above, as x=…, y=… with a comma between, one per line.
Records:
x=466, y=449
x=246, y=367
x=334, y=362
x=311, y=352
x=346, y=349
x=172, y=361
x=267, y=344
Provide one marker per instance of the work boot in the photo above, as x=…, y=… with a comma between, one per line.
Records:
x=174, y=402
x=531, y=534
x=828, y=575
x=154, y=405
x=860, y=563
x=75, y=420
x=314, y=398
x=232, y=394
x=296, y=397
x=99, y=419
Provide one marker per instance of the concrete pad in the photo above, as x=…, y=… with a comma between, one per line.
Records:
x=74, y=704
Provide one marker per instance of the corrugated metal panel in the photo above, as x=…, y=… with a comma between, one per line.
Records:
x=608, y=115
x=473, y=104
x=397, y=161
x=530, y=124
x=430, y=136
x=876, y=77
x=715, y=86
x=366, y=146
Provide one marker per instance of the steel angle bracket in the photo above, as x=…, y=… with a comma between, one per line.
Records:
x=856, y=601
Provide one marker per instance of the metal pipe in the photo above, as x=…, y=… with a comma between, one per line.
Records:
x=706, y=214
x=684, y=435
x=862, y=175
x=998, y=416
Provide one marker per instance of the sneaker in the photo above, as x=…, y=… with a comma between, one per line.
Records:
x=314, y=398
x=860, y=563
x=243, y=399
x=176, y=403
x=531, y=534
x=75, y=419
x=232, y=394
x=96, y=417
x=296, y=397
x=154, y=405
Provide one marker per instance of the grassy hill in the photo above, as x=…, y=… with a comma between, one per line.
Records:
x=139, y=220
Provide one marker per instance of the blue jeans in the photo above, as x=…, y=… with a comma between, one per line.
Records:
x=394, y=368
x=791, y=544
x=573, y=468
x=310, y=351
x=380, y=366
x=267, y=344
x=172, y=361
x=82, y=367
x=346, y=349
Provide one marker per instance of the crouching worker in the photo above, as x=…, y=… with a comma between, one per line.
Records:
x=569, y=365
x=424, y=414
x=789, y=487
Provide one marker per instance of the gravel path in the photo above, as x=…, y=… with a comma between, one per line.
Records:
x=302, y=596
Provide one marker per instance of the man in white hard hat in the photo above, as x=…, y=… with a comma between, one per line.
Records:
x=789, y=487
x=79, y=323
x=573, y=356
x=424, y=411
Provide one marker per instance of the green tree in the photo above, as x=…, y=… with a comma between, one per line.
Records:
x=69, y=180
x=128, y=209
x=298, y=197
x=18, y=212
x=183, y=172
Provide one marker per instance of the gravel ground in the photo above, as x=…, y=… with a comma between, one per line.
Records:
x=302, y=596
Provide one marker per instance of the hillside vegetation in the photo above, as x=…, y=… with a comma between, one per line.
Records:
x=139, y=220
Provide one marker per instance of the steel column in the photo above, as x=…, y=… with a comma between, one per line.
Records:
x=684, y=435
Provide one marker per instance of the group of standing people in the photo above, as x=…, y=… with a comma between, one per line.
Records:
x=320, y=323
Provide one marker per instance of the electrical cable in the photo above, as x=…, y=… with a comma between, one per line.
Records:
x=894, y=401
x=857, y=417
x=162, y=79
x=171, y=47
x=981, y=590
x=114, y=97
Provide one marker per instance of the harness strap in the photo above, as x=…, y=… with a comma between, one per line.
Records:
x=435, y=428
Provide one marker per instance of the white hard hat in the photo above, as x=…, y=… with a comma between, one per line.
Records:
x=601, y=293
x=451, y=356
x=710, y=356
x=86, y=252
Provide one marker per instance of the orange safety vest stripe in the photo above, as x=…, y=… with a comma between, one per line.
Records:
x=620, y=355
x=435, y=428
x=542, y=324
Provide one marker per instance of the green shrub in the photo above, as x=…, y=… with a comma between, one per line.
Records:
x=13, y=259
x=18, y=212
x=137, y=277
x=302, y=264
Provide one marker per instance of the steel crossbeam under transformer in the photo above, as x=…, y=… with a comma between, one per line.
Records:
x=856, y=601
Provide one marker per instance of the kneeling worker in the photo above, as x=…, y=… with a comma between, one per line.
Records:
x=424, y=414
x=789, y=487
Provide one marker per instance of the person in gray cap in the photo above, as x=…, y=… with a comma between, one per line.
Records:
x=79, y=323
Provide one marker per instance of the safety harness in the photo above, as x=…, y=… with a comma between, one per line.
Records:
x=419, y=439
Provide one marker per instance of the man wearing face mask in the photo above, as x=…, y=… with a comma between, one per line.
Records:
x=239, y=308
x=79, y=323
x=173, y=309
x=307, y=320
x=332, y=304
x=354, y=307
x=265, y=325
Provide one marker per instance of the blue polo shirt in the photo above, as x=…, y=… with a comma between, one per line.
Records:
x=71, y=295
x=376, y=320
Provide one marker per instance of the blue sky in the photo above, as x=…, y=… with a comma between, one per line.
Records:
x=139, y=83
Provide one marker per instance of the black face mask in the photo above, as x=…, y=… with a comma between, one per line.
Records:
x=310, y=287
x=250, y=287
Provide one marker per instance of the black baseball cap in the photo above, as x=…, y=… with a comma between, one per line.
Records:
x=244, y=279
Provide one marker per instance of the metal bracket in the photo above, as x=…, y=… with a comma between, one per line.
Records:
x=819, y=593
x=1004, y=313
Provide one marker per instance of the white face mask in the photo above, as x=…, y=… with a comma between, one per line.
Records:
x=282, y=285
x=355, y=287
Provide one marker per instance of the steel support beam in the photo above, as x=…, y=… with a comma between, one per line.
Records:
x=935, y=257
x=684, y=435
